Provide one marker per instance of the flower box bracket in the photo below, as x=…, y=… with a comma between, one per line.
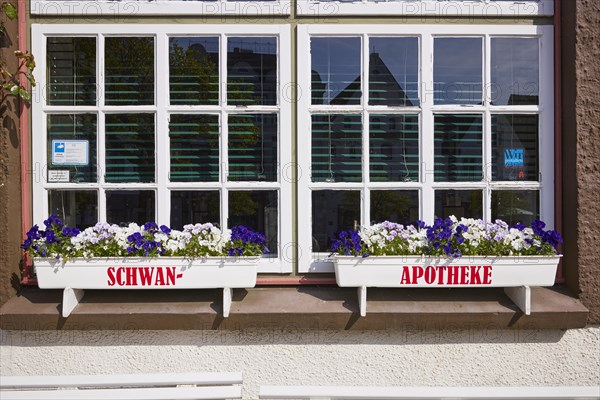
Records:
x=520, y=295
x=72, y=297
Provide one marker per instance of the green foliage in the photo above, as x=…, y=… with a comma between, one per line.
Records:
x=10, y=81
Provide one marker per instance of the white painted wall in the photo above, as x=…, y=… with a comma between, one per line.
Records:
x=450, y=357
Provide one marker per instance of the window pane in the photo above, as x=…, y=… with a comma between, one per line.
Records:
x=515, y=206
x=458, y=147
x=394, y=71
x=129, y=148
x=126, y=206
x=253, y=147
x=515, y=147
x=256, y=210
x=192, y=207
x=333, y=211
x=336, y=148
x=129, y=65
x=194, y=70
x=400, y=206
x=72, y=148
x=194, y=147
x=252, y=70
x=457, y=66
x=394, y=148
x=336, y=72
x=515, y=71
x=77, y=208
x=460, y=203
x=71, y=64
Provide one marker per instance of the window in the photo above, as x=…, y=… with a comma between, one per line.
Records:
x=189, y=123
x=174, y=124
x=417, y=122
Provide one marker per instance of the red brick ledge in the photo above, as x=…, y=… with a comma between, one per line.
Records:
x=299, y=307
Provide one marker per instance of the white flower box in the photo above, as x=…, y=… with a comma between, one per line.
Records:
x=514, y=273
x=76, y=275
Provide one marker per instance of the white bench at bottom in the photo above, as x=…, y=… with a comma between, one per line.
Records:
x=516, y=274
x=429, y=393
x=207, y=385
x=76, y=275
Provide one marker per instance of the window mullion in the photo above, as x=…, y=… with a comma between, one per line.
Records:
x=426, y=129
x=366, y=196
x=101, y=132
x=487, y=128
x=224, y=131
x=163, y=151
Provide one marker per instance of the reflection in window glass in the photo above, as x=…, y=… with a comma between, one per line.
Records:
x=129, y=70
x=515, y=206
x=515, y=147
x=256, y=210
x=125, y=206
x=457, y=71
x=515, y=71
x=129, y=148
x=194, y=70
x=394, y=148
x=333, y=211
x=400, y=206
x=252, y=71
x=193, y=207
x=253, y=147
x=460, y=203
x=394, y=71
x=71, y=63
x=458, y=147
x=336, y=148
x=194, y=147
x=66, y=133
x=77, y=208
x=336, y=72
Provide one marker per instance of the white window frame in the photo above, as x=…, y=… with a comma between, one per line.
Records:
x=315, y=262
x=119, y=10
x=161, y=109
x=424, y=8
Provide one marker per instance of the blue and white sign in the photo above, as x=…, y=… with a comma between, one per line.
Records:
x=514, y=157
x=70, y=152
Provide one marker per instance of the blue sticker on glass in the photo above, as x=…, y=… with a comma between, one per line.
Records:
x=59, y=147
x=514, y=157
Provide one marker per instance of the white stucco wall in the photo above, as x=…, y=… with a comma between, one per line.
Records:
x=475, y=357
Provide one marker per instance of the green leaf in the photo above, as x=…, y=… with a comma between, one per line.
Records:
x=24, y=94
x=10, y=11
x=14, y=89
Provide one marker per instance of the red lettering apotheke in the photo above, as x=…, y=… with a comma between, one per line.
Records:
x=446, y=275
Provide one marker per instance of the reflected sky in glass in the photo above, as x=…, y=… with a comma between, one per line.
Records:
x=515, y=71
x=394, y=71
x=457, y=70
x=336, y=71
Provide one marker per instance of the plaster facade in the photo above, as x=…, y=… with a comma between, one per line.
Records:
x=447, y=357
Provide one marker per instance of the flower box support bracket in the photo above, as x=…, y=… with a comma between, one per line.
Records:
x=362, y=300
x=521, y=296
x=71, y=297
x=227, y=295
